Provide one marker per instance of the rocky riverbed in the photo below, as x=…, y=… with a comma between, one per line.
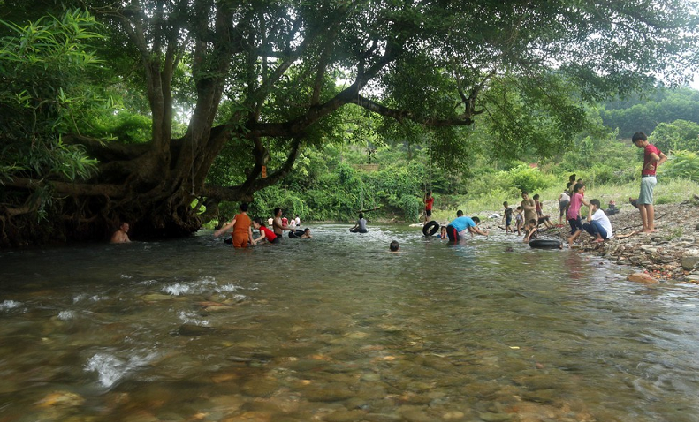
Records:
x=671, y=253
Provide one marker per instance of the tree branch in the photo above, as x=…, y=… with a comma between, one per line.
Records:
x=112, y=191
x=106, y=151
x=403, y=114
x=244, y=192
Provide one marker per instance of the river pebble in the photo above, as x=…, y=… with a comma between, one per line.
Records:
x=260, y=387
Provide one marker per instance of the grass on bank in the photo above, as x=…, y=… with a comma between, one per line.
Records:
x=668, y=191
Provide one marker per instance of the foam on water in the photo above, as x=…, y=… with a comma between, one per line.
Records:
x=66, y=315
x=202, y=285
x=191, y=318
x=111, y=369
x=229, y=287
x=9, y=304
x=176, y=289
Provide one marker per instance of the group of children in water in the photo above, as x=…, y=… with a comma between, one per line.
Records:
x=241, y=229
x=570, y=201
x=526, y=218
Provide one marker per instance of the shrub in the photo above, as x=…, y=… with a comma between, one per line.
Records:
x=682, y=165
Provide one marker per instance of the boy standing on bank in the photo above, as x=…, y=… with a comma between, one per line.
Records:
x=652, y=158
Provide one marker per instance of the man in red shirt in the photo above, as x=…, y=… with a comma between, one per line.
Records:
x=652, y=158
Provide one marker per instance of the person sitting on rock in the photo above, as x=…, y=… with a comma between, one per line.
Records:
x=598, y=224
x=541, y=218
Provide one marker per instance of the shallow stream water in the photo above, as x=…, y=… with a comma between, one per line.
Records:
x=337, y=328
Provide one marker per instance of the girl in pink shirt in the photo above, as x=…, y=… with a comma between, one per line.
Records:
x=573, y=214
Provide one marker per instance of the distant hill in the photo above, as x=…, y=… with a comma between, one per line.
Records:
x=644, y=114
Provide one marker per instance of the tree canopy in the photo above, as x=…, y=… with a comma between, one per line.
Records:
x=256, y=82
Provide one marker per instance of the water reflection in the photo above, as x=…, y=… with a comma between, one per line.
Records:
x=338, y=328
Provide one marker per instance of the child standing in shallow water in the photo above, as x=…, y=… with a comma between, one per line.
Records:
x=508, y=218
x=518, y=220
x=242, y=232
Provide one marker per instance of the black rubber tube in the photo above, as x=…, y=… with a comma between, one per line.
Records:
x=430, y=228
x=545, y=243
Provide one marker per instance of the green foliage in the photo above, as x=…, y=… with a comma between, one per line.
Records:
x=126, y=127
x=661, y=200
x=524, y=178
x=525, y=121
x=644, y=113
x=599, y=159
x=678, y=135
x=42, y=69
x=682, y=165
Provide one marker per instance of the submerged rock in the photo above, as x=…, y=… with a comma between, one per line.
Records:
x=642, y=278
x=191, y=330
x=61, y=398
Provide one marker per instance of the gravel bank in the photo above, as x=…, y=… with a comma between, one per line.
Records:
x=671, y=253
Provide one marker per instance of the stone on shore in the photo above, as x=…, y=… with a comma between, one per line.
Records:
x=669, y=253
x=690, y=262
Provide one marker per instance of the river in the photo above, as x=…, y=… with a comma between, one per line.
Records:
x=337, y=328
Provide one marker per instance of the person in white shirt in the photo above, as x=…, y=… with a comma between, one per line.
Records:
x=297, y=220
x=563, y=201
x=598, y=224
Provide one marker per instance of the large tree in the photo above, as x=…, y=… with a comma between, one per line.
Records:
x=271, y=76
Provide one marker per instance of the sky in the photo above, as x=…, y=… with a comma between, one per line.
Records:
x=695, y=83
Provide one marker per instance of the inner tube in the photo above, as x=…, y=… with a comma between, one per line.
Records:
x=545, y=243
x=359, y=231
x=430, y=228
x=294, y=234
